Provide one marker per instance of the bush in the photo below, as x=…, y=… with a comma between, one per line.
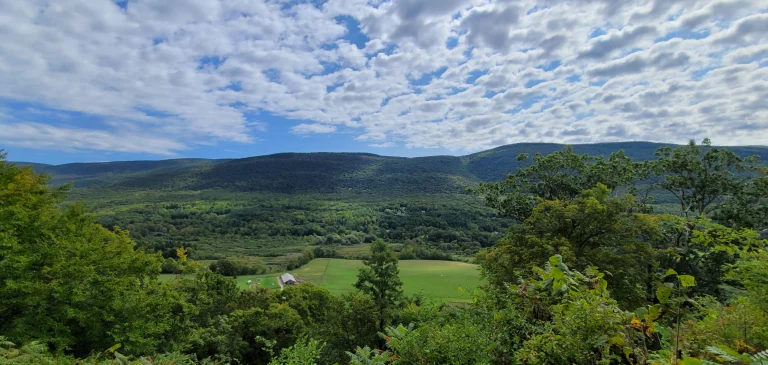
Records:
x=233, y=268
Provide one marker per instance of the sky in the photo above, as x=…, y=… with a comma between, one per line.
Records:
x=103, y=80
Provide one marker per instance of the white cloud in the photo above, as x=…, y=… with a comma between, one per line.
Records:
x=313, y=129
x=45, y=136
x=457, y=74
x=383, y=145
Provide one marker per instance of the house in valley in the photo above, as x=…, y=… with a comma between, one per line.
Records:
x=288, y=279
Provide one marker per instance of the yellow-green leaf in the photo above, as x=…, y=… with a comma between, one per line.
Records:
x=691, y=361
x=663, y=293
x=687, y=280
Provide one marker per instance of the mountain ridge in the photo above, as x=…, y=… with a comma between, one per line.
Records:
x=331, y=172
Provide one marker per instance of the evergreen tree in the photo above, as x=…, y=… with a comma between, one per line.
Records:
x=380, y=278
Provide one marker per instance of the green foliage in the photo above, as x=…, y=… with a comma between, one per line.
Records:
x=71, y=291
x=593, y=229
x=368, y=356
x=379, y=278
x=304, y=352
x=706, y=179
x=456, y=342
x=560, y=176
x=221, y=224
x=233, y=268
x=68, y=280
x=750, y=273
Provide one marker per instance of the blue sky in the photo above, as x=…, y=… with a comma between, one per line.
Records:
x=103, y=80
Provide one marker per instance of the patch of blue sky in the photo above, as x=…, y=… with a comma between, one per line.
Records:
x=675, y=15
x=354, y=35
x=525, y=104
x=122, y=3
x=388, y=50
x=598, y=83
x=631, y=51
x=154, y=112
x=489, y=94
x=55, y=157
x=332, y=87
x=453, y=91
x=476, y=74
x=537, y=8
x=550, y=65
x=238, y=105
x=573, y=78
x=329, y=46
x=210, y=62
x=468, y=52
x=451, y=42
x=683, y=34
x=385, y=101
x=597, y=32
x=699, y=74
x=329, y=67
x=583, y=115
x=234, y=86
x=426, y=78
x=531, y=83
x=272, y=75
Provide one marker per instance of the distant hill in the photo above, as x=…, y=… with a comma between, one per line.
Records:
x=107, y=173
x=331, y=172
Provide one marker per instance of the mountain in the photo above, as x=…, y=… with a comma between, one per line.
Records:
x=272, y=207
x=331, y=172
x=106, y=173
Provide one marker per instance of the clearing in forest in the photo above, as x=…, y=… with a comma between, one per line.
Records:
x=447, y=281
x=439, y=280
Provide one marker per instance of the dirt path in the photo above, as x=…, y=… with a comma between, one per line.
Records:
x=280, y=282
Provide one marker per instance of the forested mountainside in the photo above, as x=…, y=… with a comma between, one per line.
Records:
x=332, y=172
x=108, y=173
x=274, y=206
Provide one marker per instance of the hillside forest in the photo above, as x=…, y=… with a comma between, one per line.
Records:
x=585, y=259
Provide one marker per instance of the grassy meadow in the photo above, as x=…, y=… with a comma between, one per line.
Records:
x=446, y=281
x=439, y=280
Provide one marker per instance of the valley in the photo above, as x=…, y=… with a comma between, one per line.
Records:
x=264, y=210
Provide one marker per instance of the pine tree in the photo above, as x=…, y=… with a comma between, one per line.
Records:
x=380, y=278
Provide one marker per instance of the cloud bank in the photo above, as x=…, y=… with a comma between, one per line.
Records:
x=164, y=76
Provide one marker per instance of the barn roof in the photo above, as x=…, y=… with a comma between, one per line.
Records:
x=287, y=277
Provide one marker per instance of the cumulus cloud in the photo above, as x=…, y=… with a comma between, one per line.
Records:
x=602, y=46
x=383, y=145
x=45, y=136
x=163, y=76
x=313, y=129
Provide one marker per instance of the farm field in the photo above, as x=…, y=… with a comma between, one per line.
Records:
x=267, y=281
x=438, y=280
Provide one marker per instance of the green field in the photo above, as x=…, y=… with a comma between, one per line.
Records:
x=267, y=281
x=439, y=280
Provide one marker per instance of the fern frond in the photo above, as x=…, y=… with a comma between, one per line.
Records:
x=722, y=354
x=762, y=355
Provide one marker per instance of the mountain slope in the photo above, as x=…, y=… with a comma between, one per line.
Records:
x=317, y=173
x=331, y=172
x=107, y=173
